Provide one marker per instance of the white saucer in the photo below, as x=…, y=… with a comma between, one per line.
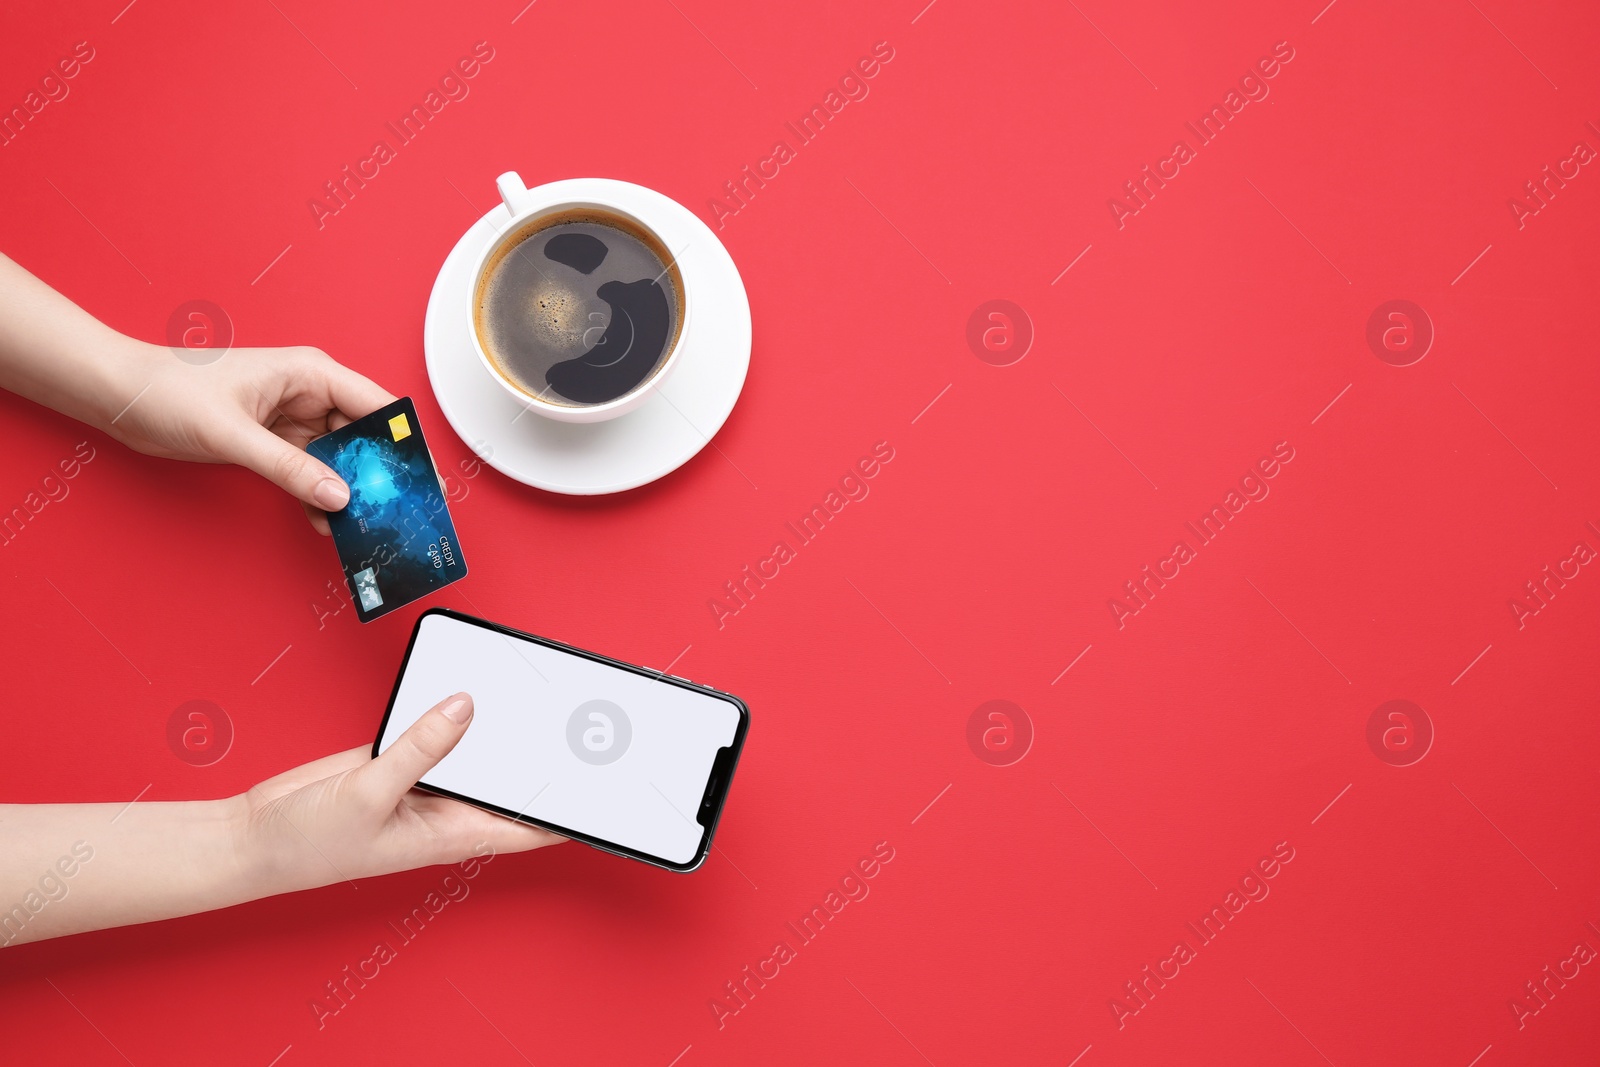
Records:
x=658, y=437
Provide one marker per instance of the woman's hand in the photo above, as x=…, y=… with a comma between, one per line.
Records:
x=342, y=817
x=257, y=407
x=349, y=816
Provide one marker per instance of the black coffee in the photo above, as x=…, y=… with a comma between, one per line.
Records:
x=580, y=308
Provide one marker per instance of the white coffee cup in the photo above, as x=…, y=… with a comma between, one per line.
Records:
x=527, y=208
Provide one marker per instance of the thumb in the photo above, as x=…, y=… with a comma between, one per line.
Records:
x=291, y=469
x=423, y=745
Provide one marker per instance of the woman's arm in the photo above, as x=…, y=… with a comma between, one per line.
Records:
x=69, y=868
x=256, y=407
x=56, y=354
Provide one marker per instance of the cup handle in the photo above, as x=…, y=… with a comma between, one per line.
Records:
x=513, y=192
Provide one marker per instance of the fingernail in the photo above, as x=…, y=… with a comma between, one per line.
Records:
x=331, y=494
x=459, y=710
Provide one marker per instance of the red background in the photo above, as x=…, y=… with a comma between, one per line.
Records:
x=1221, y=720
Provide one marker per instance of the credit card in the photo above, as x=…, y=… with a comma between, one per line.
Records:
x=395, y=538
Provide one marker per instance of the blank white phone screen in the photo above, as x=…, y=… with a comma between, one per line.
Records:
x=619, y=756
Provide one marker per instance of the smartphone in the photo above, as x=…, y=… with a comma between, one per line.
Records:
x=630, y=760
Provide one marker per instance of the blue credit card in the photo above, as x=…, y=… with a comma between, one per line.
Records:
x=395, y=538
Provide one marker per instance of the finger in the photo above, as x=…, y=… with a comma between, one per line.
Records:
x=424, y=744
x=318, y=519
x=515, y=836
x=352, y=393
x=465, y=826
x=291, y=469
